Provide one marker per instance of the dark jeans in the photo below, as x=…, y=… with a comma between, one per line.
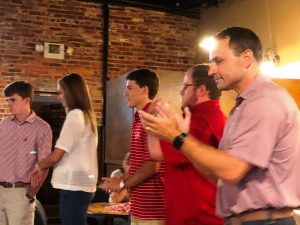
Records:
x=121, y=221
x=73, y=206
x=285, y=221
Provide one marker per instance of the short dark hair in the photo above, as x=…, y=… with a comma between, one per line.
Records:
x=200, y=77
x=241, y=39
x=21, y=88
x=145, y=77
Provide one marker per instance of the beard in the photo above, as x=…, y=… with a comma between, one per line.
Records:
x=190, y=102
x=183, y=106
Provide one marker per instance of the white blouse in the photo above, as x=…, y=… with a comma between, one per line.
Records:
x=78, y=169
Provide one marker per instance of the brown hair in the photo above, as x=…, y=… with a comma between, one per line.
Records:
x=77, y=97
x=200, y=77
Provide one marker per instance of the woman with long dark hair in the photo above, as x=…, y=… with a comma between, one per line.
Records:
x=75, y=155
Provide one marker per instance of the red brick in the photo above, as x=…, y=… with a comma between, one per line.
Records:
x=138, y=38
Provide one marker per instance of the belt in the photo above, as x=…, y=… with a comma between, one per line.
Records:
x=18, y=184
x=261, y=214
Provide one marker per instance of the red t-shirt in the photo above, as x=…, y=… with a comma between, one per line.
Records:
x=147, y=198
x=191, y=196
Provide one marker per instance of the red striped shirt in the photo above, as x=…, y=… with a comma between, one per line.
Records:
x=21, y=146
x=147, y=198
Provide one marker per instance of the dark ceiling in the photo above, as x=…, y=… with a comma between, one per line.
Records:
x=189, y=8
x=176, y=4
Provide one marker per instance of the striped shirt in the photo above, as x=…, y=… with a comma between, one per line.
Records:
x=22, y=145
x=147, y=198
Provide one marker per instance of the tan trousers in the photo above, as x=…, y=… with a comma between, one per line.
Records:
x=135, y=221
x=15, y=208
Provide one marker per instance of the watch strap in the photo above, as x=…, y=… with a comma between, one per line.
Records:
x=178, y=140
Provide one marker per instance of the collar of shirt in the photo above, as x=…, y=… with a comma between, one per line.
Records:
x=203, y=105
x=136, y=114
x=29, y=119
x=253, y=88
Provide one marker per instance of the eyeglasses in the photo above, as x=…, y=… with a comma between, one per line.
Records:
x=185, y=86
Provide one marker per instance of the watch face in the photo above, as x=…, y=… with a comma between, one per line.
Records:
x=30, y=199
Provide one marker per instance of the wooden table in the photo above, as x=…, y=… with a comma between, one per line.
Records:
x=102, y=209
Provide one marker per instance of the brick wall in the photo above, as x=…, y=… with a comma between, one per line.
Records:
x=25, y=23
x=138, y=38
x=147, y=38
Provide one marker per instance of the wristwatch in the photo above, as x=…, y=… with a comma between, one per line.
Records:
x=31, y=199
x=178, y=140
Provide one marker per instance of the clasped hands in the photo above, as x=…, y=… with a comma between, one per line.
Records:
x=161, y=121
x=110, y=184
x=166, y=123
x=37, y=176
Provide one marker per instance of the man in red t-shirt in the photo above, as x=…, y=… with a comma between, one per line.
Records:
x=191, y=195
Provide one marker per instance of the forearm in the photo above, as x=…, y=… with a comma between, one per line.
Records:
x=155, y=148
x=212, y=161
x=51, y=160
x=146, y=171
x=46, y=163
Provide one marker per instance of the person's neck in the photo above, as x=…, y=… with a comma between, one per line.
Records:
x=246, y=83
x=201, y=100
x=142, y=104
x=23, y=116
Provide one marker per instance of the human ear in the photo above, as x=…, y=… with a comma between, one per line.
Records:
x=27, y=100
x=146, y=90
x=201, y=90
x=247, y=57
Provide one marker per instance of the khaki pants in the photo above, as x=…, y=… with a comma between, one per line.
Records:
x=135, y=221
x=15, y=208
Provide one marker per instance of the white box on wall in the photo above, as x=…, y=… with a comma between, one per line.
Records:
x=54, y=51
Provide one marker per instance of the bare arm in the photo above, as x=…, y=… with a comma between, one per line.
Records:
x=52, y=159
x=210, y=160
x=146, y=171
x=154, y=148
x=40, y=171
x=204, y=157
